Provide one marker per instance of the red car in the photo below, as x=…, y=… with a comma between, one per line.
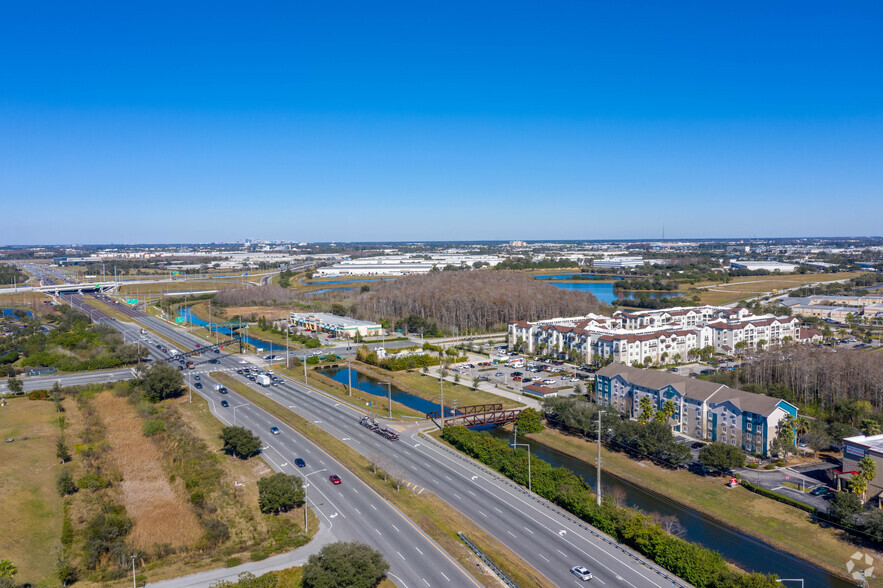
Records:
x=335, y=479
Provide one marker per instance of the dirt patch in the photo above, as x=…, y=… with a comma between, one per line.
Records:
x=159, y=509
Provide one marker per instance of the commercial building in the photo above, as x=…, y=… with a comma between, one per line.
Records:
x=835, y=308
x=770, y=266
x=854, y=450
x=400, y=265
x=341, y=326
x=703, y=410
x=661, y=335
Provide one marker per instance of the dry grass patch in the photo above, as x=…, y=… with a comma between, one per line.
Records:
x=31, y=509
x=159, y=509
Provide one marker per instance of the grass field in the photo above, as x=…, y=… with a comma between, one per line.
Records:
x=434, y=516
x=31, y=509
x=785, y=527
x=154, y=290
x=749, y=286
x=159, y=508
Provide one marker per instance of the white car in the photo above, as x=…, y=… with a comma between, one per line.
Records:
x=548, y=382
x=581, y=572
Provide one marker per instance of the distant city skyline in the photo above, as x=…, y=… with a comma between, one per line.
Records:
x=401, y=122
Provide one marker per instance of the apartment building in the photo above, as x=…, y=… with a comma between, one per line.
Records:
x=703, y=410
x=631, y=337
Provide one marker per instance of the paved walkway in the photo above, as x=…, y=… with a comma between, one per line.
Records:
x=282, y=561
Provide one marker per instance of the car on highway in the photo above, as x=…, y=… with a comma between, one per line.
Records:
x=581, y=572
x=198, y=385
x=224, y=403
x=299, y=462
x=217, y=350
x=222, y=390
x=214, y=361
x=335, y=479
x=196, y=377
x=275, y=430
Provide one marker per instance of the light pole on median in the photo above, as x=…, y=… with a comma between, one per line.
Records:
x=234, y=412
x=516, y=446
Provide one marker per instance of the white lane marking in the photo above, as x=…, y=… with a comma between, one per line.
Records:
x=424, y=581
x=374, y=507
x=400, y=555
x=357, y=510
x=379, y=533
x=511, y=533
x=397, y=531
x=418, y=550
x=544, y=557
x=445, y=577
x=482, y=514
x=529, y=531
x=471, y=492
x=458, y=496
x=498, y=510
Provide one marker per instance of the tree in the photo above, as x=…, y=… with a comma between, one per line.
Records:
x=61, y=451
x=280, y=493
x=64, y=482
x=870, y=427
x=240, y=442
x=7, y=569
x=646, y=410
x=874, y=524
x=844, y=506
x=666, y=412
x=344, y=565
x=721, y=456
x=530, y=421
x=15, y=386
x=867, y=471
x=161, y=381
x=817, y=440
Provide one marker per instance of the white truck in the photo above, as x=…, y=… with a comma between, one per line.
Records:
x=264, y=380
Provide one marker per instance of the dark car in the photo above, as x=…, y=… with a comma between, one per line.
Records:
x=217, y=350
x=196, y=377
x=198, y=385
x=697, y=445
x=300, y=462
x=820, y=491
x=222, y=390
x=214, y=361
x=224, y=403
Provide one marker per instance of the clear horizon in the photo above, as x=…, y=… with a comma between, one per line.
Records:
x=397, y=123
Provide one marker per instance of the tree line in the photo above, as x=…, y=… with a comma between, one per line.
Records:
x=471, y=301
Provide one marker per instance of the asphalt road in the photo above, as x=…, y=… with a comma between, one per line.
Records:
x=352, y=510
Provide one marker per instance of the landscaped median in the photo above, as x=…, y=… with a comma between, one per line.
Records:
x=434, y=516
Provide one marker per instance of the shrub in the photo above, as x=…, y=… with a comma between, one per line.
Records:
x=232, y=562
x=752, y=466
x=530, y=420
x=153, y=427
x=92, y=482
x=258, y=555
x=215, y=532
x=769, y=466
x=780, y=464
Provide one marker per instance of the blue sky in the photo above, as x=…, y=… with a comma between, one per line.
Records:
x=170, y=122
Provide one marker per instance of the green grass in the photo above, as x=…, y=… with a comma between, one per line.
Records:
x=32, y=510
x=435, y=517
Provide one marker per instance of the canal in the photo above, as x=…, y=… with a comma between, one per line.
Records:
x=741, y=549
x=254, y=342
x=378, y=388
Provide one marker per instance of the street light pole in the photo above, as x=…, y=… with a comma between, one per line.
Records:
x=134, y=582
x=389, y=396
x=306, y=530
x=441, y=389
x=189, y=387
x=516, y=446
x=598, y=468
x=349, y=372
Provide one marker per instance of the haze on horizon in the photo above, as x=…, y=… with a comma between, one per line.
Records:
x=401, y=122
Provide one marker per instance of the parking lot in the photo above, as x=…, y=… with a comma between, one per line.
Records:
x=553, y=374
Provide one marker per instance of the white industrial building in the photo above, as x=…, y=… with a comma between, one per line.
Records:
x=770, y=266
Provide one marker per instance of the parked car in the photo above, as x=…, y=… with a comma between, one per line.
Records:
x=820, y=491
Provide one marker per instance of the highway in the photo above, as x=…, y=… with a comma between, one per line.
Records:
x=545, y=537
x=352, y=510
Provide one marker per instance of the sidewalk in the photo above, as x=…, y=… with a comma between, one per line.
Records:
x=282, y=561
